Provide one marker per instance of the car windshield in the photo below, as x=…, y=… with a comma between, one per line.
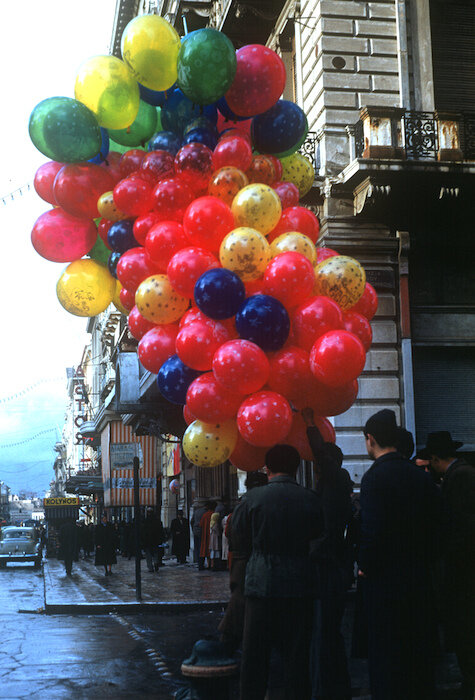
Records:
x=18, y=534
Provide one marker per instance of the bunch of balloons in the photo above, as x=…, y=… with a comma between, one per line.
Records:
x=191, y=225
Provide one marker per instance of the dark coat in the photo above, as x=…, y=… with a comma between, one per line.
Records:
x=180, y=532
x=458, y=502
x=105, y=540
x=151, y=532
x=273, y=527
x=69, y=542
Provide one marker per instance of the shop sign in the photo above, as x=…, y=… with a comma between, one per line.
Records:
x=125, y=482
x=122, y=454
x=61, y=501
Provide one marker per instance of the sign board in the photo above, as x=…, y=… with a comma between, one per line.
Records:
x=122, y=454
x=61, y=501
x=127, y=482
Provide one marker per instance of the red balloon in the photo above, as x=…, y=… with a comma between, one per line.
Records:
x=264, y=418
x=258, y=83
x=232, y=151
x=44, y=180
x=127, y=298
x=261, y=170
x=209, y=401
x=326, y=429
x=313, y=318
x=332, y=401
x=289, y=372
x=143, y=224
x=186, y=266
x=247, y=457
x=255, y=287
x=198, y=341
x=130, y=161
x=157, y=165
x=325, y=253
x=277, y=167
x=238, y=128
x=111, y=164
x=288, y=193
x=297, y=219
x=192, y=315
x=138, y=325
x=60, y=237
x=133, y=196
x=367, y=305
x=133, y=267
x=359, y=325
x=171, y=199
x=297, y=437
x=337, y=358
x=78, y=186
x=163, y=241
x=207, y=221
x=187, y=415
x=194, y=165
x=102, y=229
x=290, y=278
x=241, y=366
x=156, y=346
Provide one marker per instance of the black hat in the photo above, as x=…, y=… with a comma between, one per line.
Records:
x=405, y=443
x=383, y=427
x=441, y=444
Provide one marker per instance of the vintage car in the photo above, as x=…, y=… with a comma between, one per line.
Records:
x=19, y=544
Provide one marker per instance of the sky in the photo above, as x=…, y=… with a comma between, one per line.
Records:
x=43, y=44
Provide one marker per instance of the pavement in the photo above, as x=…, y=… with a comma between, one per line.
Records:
x=174, y=587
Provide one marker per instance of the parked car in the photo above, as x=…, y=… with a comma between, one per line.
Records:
x=19, y=544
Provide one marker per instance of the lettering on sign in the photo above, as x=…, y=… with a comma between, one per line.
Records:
x=127, y=482
x=61, y=501
x=122, y=454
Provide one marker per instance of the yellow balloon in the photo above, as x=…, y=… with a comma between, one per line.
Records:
x=158, y=302
x=106, y=85
x=294, y=242
x=108, y=209
x=150, y=47
x=246, y=252
x=208, y=445
x=257, y=206
x=85, y=288
x=116, y=299
x=299, y=170
x=342, y=279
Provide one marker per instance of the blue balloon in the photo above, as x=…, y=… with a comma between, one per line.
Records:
x=178, y=110
x=200, y=123
x=120, y=235
x=165, y=141
x=114, y=258
x=154, y=97
x=281, y=130
x=174, y=378
x=205, y=136
x=263, y=320
x=101, y=156
x=227, y=113
x=219, y=293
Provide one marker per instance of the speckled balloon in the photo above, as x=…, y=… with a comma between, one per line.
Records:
x=158, y=302
x=342, y=279
x=85, y=288
x=246, y=252
x=226, y=183
x=257, y=206
x=294, y=242
x=297, y=169
x=108, y=209
x=208, y=445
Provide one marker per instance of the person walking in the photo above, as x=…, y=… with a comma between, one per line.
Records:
x=272, y=527
x=180, y=532
x=400, y=511
x=458, y=550
x=198, y=512
x=69, y=544
x=105, y=545
x=152, y=538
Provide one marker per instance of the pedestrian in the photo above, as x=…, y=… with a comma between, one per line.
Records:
x=88, y=540
x=205, y=535
x=198, y=512
x=272, y=527
x=152, y=538
x=332, y=558
x=225, y=542
x=458, y=550
x=399, y=516
x=215, y=541
x=105, y=540
x=69, y=544
x=180, y=532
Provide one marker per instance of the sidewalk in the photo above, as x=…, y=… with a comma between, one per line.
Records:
x=174, y=586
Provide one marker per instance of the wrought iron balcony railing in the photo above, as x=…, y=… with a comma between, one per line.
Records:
x=311, y=150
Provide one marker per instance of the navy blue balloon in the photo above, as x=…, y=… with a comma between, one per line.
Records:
x=101, y=156
x=280, y=130
x=154, y=97
x=178, y=110
x=174, y=378
x=114, y=258
x=120, y=236
x=227, y=113
x=219, y=293
x=263, y=320
x=165, y=141
x=205, y=136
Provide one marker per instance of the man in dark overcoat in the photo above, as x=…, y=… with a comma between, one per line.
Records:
x=400, y=513
x=458, y=550
x=180, y=532
x=152, y=538
x=274, y=526
x=69, y=544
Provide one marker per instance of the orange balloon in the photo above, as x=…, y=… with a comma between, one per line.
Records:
x=261, y=170
x=226, y=183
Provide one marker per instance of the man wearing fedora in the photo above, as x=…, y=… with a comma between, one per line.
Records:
x=399, y=515
x=458, y=588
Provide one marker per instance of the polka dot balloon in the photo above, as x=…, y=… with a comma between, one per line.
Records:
x=208, y=445
x=297, y=169
x=342, y=279
x=246, y=252
x=257, y=206
x=294, y=242
x=108, y=209
x=158, y=302
x=226, y=183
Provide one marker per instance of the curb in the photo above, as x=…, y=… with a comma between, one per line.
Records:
x=132, y=608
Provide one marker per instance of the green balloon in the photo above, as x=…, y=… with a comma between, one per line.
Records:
x=159, y=119
x=206, y=65
x=100, y=252
x=65, y=130
x=141, y=129
x=113, y=146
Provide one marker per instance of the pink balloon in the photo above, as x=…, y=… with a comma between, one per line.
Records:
x=60, y=237
x=264, y=418
x=288, y=193
x=44, y=180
